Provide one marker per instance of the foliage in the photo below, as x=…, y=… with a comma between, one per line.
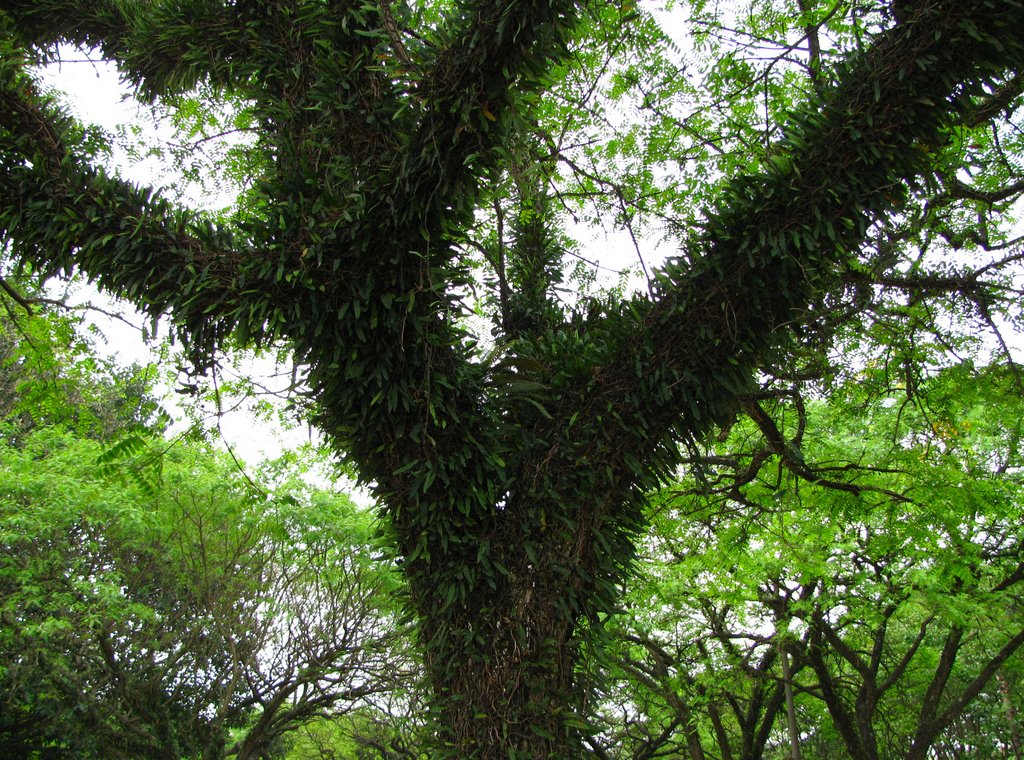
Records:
x=512, y=475
x=881, y=547
x=50, y=375
x=141, y=624
x=154, y=602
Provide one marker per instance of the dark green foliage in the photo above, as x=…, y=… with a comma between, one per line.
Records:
x=514, y=490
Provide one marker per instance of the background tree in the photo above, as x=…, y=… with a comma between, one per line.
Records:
x=155, y=603
x=179, y=624
x=50, y=375
x=512, y=477
x=885, y=560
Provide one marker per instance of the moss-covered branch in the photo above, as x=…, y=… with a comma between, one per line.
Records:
x=62, y=216
x=161, y=47
x=679, y=361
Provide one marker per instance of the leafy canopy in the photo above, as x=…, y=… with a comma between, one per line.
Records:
x=386, y=137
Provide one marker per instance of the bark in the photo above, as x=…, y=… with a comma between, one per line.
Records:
x=1011, y=716
x=794, y=732
x=845, y=722
x=504, y=681
x=931, y=721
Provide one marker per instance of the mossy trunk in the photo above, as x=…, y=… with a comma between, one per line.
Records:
x=502, y=659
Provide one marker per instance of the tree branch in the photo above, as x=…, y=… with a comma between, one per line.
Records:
x=159, y=49
x=680, y=361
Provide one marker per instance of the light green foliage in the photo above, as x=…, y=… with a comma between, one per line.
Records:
x=883, y=544
x=145, y=622
x=49, y=375
x=153, y=601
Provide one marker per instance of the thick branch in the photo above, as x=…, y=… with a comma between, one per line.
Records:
x=1001, y=100
x=62, y=216
x=932, y=722
x=843, y=718
x=961, y=190
x=684, y=359
x=158, y=47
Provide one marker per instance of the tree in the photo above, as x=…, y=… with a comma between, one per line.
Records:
x=513, y=476
x=200, y=620
x=154, y=602
x=50, y=375
x=885, y=559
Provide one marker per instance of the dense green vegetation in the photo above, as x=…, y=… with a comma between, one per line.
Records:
x=879, y=548
x=155, y=602
x=767, y=505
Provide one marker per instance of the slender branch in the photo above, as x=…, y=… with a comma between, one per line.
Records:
x=24, y=301
x=908, y=655
x=795, y=463
x=962, y=191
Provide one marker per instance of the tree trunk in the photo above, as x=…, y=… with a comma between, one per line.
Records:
x=1011, y=715
x=499, y=634
x=787, y=680
x=502, y=676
